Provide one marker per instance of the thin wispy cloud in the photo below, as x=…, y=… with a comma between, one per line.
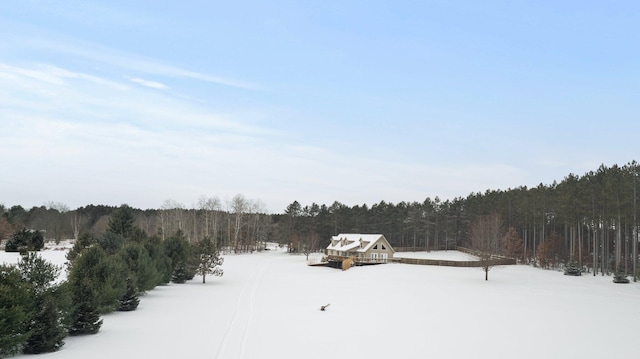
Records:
x=75, y=95
x=152, y=84
x=52, y=75
x=127, y=62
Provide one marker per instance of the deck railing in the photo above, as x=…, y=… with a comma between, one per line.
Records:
x=358, y=260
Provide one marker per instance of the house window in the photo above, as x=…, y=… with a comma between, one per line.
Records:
x=375, y=247
x=383, y=246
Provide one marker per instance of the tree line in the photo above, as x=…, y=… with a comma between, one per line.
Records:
x=591, y=219
x=239, y=224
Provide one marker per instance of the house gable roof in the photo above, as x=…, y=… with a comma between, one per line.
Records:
x=359, y=242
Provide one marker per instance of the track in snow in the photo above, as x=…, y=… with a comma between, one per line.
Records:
x=236, y=337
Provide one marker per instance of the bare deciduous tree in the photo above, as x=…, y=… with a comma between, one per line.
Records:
x=211, y=212
x=309, y=243
x=486, y=232
x=76, y=223
x=256, y=209
x=239, y=206
x=173, y=217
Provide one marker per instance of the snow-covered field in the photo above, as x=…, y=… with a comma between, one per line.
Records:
x=267, y=306
x=438, y=255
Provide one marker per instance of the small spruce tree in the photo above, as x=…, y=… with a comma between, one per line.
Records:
x=129, y=300
x=572, y=268
x=180, y=274
x=620, y=276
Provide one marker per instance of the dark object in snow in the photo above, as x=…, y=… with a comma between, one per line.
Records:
x=620, y=277
x=324, y=307
x=572, y=269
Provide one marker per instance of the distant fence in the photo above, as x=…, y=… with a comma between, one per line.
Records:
x=421, y=249
x=496, y=261
x=446, y=263
x=438, y=247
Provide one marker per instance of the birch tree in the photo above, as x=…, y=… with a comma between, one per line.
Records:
x=211, y=211
x=239, y=207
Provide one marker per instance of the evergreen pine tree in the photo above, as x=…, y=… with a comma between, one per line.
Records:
x=121, y=221
x=180, y=274
x=209, y=258
x=25, y=240
x=46, y=331
x=129, y=300
x=84, y=241
x=183, y=260
x=105, y=275
x=141, y=266
x=572, y=268
x=111, y=242
x=161, y=261
x=15, y=310
x=85, y=317
x=620, y=276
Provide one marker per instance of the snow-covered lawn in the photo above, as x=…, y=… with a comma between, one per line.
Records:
x=438, y=255
x=267, y=305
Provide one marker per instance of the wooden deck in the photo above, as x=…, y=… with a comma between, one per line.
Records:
x=337, y=261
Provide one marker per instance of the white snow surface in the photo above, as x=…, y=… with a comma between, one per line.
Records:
x=267, y=305
x=450, y=255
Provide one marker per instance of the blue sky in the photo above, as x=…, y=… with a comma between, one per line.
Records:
x=138, y=102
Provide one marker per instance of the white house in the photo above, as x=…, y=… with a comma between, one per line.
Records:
x=364, y=247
